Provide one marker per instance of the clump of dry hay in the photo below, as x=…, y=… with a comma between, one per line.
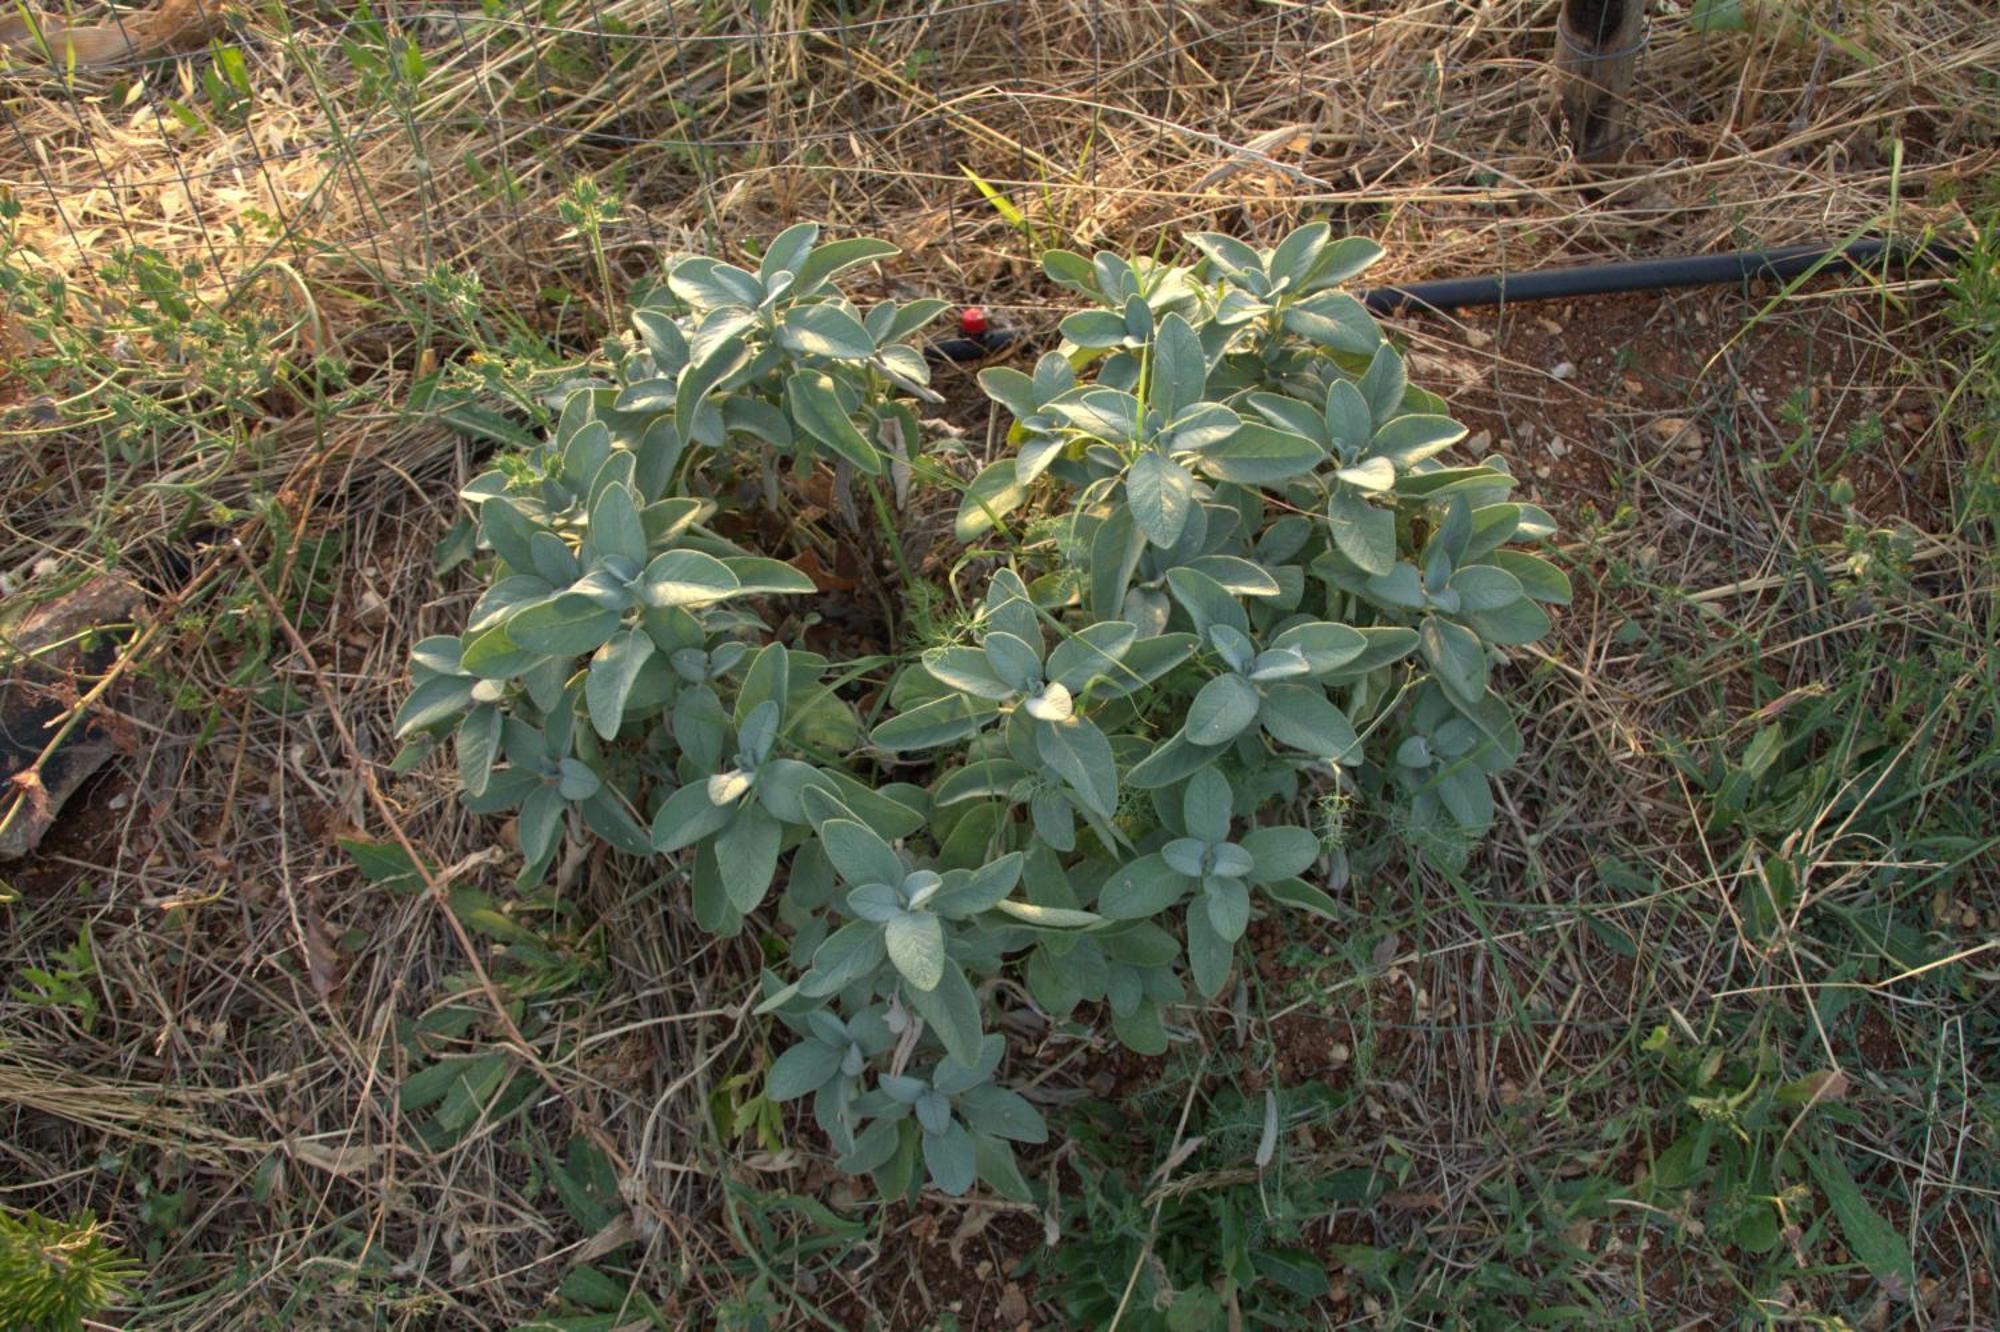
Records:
x=256, y=992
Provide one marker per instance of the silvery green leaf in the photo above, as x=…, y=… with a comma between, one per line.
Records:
x=1003, y=1114
x=1227, y=901
x=1385, y=382
x=1013, y=661
x=877, y=902
x=1205, y=601
x=1336, y=321
x=1467, y=796
x=1414, y=752
x=933, y=1112
x=1229, y=861
x=1299, y=894
x=1278, y=663
x=746, y=853
x=1372, y=474
x=1010, y=609
x=1292, y=262
x=687, y=816
x=937, y=722
x=438, y=699
x=1141, y=1030
x=859, y=853
x=1484, y=485
x=1048, y=917
x=983, y=779
x=1206, y=428
x=1450, y=535
x=648, y=395
x=788, y=249
x=873, y=1148
x=712, y=365
x=1522, y=622
x=996, y=492
x=1054, y=817
x=664, y=339
x=1186, y=855
x=781, y=788
x=613, y=670
x=1218, y=714
x=568, y=625
x=492, y=655
x=686, y=578
x=952, y=1010
x=606, y=586
x=478, y=746
x=1292, y=415
x=1179, y=368
x=1350, y=426
x=553, y=558
x=1093, y=651
x=1363, y=532
x=1161, y=495
x=1408, y=440
x=726, y=788
x=1456, y=657
x=1537, y=577
x=1400, y=587
x=967, y=670
x=709, y=284
x=1011, y=389
x=1069, y=269
x=1096, y=329
x=1052, y=704
x=1036, y=454
x=1232, y=258
x=815, y=407
x=1138, y=317
x=835, y=257
x=1101, y=413
x=1081, y=756
x=1143, y=888
x=540, y=822
x=1259, y=454
x=1207, y=807
x=576, y=780
x=1280, y=851
x=1115, y=550
x=1348, y=257
x=915, y=940
x=1171, y=762
x=1209, y=954
x=1239, y=577
x=1300, y=715
x=825, y=330
x=1482, y=587
x=849, y=953
x=801, y=1071
x=1325, y=646
x=966, y=893
x=949, y=1158
x=759, y=729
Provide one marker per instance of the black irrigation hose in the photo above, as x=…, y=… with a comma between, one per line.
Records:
x=1548, y=284
x=1644, y=275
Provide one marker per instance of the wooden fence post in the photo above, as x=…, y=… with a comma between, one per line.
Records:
x=1597, y=48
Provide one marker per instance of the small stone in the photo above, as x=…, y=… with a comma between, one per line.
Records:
x=1477, y=338
x=1563, y=370
x=1557, y=447
x=1678, y=433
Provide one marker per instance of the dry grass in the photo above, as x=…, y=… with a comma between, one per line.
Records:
x=234, y=1106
